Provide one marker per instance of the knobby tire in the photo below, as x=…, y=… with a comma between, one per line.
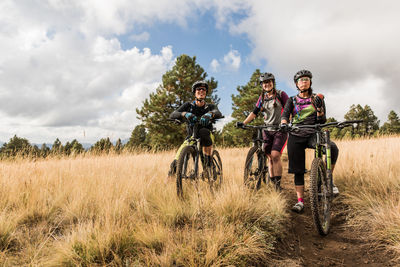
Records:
x=320, y=196
x=185, y=168
x=254, y=168
x=217, y=174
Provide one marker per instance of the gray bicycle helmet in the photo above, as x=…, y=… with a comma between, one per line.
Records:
x=266, y=77
x=302, y=73
x=199, y=84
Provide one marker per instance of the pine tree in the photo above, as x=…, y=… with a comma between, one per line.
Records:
x=76, y=147
x=371, y=122
x=118, y=146
x=172, y=93
x=138, y=138
x=393, y=124
x=57, y=147
x=243, y=105
x=16, y=146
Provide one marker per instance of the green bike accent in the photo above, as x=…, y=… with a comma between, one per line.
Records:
x=328, y=158
x=185, y=143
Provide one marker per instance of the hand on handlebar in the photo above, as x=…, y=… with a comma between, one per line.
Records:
x=205, y=119
x=284, y=127
x=190, y=117
x=239, y=124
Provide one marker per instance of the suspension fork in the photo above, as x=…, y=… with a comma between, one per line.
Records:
x=328, y=158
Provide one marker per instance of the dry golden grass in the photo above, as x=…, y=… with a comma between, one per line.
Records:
x=122, y=210
x=368, y=172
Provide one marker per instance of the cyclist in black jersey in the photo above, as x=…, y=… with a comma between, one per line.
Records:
x=305, y=108
x=198, y=111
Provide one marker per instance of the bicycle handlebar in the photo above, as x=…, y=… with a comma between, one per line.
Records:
x=178, y=121
x=339, y=124
x=268, y=126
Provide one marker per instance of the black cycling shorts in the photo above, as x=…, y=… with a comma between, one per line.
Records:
x=205, y=137
x=296, y=147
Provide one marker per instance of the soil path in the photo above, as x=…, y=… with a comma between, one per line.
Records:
x=345, y=245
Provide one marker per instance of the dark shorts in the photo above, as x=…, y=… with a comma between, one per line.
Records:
x=274, y=141
x=205, y=137
x=297, y=152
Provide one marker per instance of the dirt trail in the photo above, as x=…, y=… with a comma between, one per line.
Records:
x=345, y=245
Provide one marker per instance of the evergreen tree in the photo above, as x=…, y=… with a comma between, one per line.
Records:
x=104, y=145
x=16, y=146
x=67, y=148
x=243, y=105
x=56, y=148
x=176, y=89
x=393, y=124
x=118, y=146
x=44, y=150
x=76, y=147
x=138, y=138
x=371, y=122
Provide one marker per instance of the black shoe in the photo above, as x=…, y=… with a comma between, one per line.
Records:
x=172, y=168
x=278, y=186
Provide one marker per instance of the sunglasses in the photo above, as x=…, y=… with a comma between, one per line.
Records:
x=304, y=79
x=201, y=89
x=267, y=81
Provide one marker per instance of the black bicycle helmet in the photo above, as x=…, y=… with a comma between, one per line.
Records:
x=302, y=73
x=266, y=77
x=199, y=84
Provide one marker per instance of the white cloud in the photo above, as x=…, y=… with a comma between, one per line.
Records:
x=344, y=43
x=232, y=60
x=58, y=80
x=214, y=65
x=142, y=37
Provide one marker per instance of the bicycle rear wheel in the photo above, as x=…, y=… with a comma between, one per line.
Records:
x=320, y=196
x=185, y=171
x=254, y=168
x=216, y=171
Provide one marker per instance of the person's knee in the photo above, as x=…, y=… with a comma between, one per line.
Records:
x=275, y=157
x=334, y=152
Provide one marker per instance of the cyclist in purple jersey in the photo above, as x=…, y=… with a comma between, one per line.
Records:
x=305, y=108
x=271, y=103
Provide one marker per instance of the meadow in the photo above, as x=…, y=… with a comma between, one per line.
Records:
x=122, y=210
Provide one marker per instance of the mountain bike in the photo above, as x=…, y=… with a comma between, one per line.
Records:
x=190, y=160
x=256, y=167
x=321, y=182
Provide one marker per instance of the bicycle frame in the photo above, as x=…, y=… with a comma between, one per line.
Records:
x=323, y=140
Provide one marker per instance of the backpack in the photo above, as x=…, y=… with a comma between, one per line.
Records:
x=278, y=97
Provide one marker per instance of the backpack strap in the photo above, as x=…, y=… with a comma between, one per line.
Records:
x=279, y=96
x=313, y=100
x=296, y=107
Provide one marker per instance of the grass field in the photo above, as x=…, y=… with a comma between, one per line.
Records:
x=122, y=210
x=369, y=173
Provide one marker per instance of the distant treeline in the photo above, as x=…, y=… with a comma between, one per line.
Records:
x=157, y=133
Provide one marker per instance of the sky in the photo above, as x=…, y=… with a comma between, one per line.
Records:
x=79, y=69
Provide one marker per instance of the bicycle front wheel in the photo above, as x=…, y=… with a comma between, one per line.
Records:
x=254, y=168
x=216, y=180
x=320, y=196
x=185, y=171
